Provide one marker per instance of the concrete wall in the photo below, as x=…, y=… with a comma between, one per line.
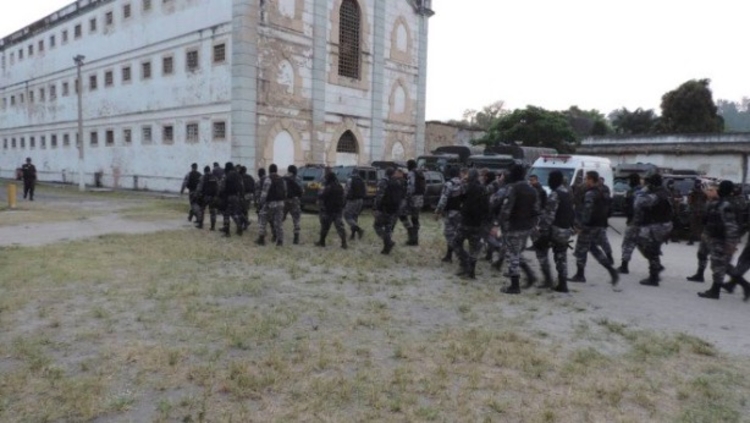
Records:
x=722, y=156
x=440, y=134
x=278, y=99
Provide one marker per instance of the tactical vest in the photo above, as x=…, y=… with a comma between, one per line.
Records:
x=232, y=183
x=521, y=217
x=333, y=198
x=565, y=215
x=715, y=226
x=661, y=211
x=394, y=194
x=420, y=184
x=358, y=189
x=194, y=177
x=210, y=185
x=277, y=190
x=475, y=205
x=454, y=198
x=600, y=211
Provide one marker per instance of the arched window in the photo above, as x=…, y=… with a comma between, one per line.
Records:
x=347, y=143
x=349, y=30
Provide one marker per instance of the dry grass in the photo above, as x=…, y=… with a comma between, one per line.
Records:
x=186, y=326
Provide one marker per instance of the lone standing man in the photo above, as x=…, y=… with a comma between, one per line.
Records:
x=415, y=189
x=191, y=183
x=29, y=179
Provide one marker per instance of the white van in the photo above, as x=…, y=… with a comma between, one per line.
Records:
x=573, y=168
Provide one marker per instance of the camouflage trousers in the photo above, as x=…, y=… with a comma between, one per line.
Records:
x=192, y=203
x=696, y=226
x=451, y=222
x=199, y=209
x=515, y=243
x=720, y=252
x=292, y=207
x=328, y=219
x=272, y=212
x=246, y=202
x=703, y=253
x=603, y=242
x=384, y=223
x=629, y=242
x=650, y=239
x=473, y=234
x=233, y=210
x=588, y=242
x=352, y=210
x=557, y=241
x=409, y=213
x=743, y=261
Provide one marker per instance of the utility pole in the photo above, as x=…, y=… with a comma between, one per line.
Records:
x=79, y=88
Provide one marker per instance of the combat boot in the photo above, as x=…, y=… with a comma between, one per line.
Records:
x=416, y=237
x=411, y=242
x=562, y=284
x=321, y=242
x=387, y=247
x=225, y=230
x=213, y=224
x=354, y=233
x=239, y=230
x=514, y=287
x=343, y=242
x=261, y=240
x=624, y=268
x=463, y=268
x=361, y=232
x=448, y=256
x=614, y=275
x=472, y=270
x=739, y=280
x=296, y=239
x=652, y=279
x=729, y=286
x=698, y=276
x=578, y=277
x=279, y=242
x=190, y=216
x=530, y=276
x=713, y=293
x=199, y=224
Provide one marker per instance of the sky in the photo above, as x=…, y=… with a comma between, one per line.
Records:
x=595, y=54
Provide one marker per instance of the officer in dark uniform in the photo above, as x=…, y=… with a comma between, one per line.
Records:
x=272, y=198
x=387, y=204
x=248, y=183
x=722, y=235
x=191, y=183
x=554, y=231
x=205, y=196
x=630, y=237
x=475, y=206
x=293, y=202
x=653, y=216
x=28, y=172
x=518, y=217
x=591, y=221
x=331, y=205
x=697, y=203
x=231, y=190
x=355, y=193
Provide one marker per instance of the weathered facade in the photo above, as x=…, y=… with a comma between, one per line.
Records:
x=170, y=82
x=442, y=134
x=723, y=156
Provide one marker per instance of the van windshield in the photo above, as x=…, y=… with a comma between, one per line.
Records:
x=543, y=174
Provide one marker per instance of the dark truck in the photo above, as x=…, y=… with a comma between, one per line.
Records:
x=495, y=158
x=524, y=155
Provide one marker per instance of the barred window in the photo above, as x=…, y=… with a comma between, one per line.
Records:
x=126, y=74
x=92, y=25
x=92, y=83
x=126, y=11
x=167, y=65
x=192, y=60
x=109, y=78
x=51, y=41
x=65, y=89
x=41, y=46
x=192, y=132
x=167, y=134
x=220, y=130
x=347, y=143
x=43, y=141
x=41, y=94
x=109, y=18
x=77, y=31
x=146, y=5
x=53, y=141
x=94, y=138
x=32, y=142
x=109, y=137
x=146, y=135
x=66, y=140
x=220, y=53
x=146, y=70
x=52, y=92
x=127, y=136
x=349, y=30
x=65, y=36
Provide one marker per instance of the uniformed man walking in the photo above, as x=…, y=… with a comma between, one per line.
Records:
x=474, y=209
x=272, y=198
x=28, y=172
x=591, y=221
x=354, y=192
x=292, y=204
x=331, y=206
x=386, y=205
x=697, y=203
x=653, y=216
x=415, y=189
x=231, y=190
x=205, y=196
x=722, y=235
x=630, y=237
x=449, y=207
x=518, y=217
x=191, y=183
x=555, y=229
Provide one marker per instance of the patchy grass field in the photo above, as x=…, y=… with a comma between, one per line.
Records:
x=187, y=326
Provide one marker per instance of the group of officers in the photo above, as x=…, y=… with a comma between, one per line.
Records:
x=497, y=212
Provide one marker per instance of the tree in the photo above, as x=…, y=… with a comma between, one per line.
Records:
x=736, y=115
x=637, y=122
x=487, y=116
x=690, y=109
x=535, y=127
x=584, y=122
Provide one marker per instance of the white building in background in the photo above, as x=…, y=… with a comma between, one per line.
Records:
x=170, y=82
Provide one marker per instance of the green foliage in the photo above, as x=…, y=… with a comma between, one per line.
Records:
x=690, y=109
x=637, y=122
x=534, y=127
x=587, y=122
x=736, y=115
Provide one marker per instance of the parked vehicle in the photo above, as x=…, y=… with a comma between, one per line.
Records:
x=434, y=182
x=525, y=155
x=313, y=176
x=573, y=168
x=494, y=162
x=621, y=174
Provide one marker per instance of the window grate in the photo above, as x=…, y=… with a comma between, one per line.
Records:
x=349, y=43
x=347, y=143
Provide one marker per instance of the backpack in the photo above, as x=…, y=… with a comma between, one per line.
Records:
x=210, y=186
x=393, y=196
x=293, y=189
x=420, y=185
x=193, y=180
x=358, y=189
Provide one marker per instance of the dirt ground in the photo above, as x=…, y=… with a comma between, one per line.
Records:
x=673, y=307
